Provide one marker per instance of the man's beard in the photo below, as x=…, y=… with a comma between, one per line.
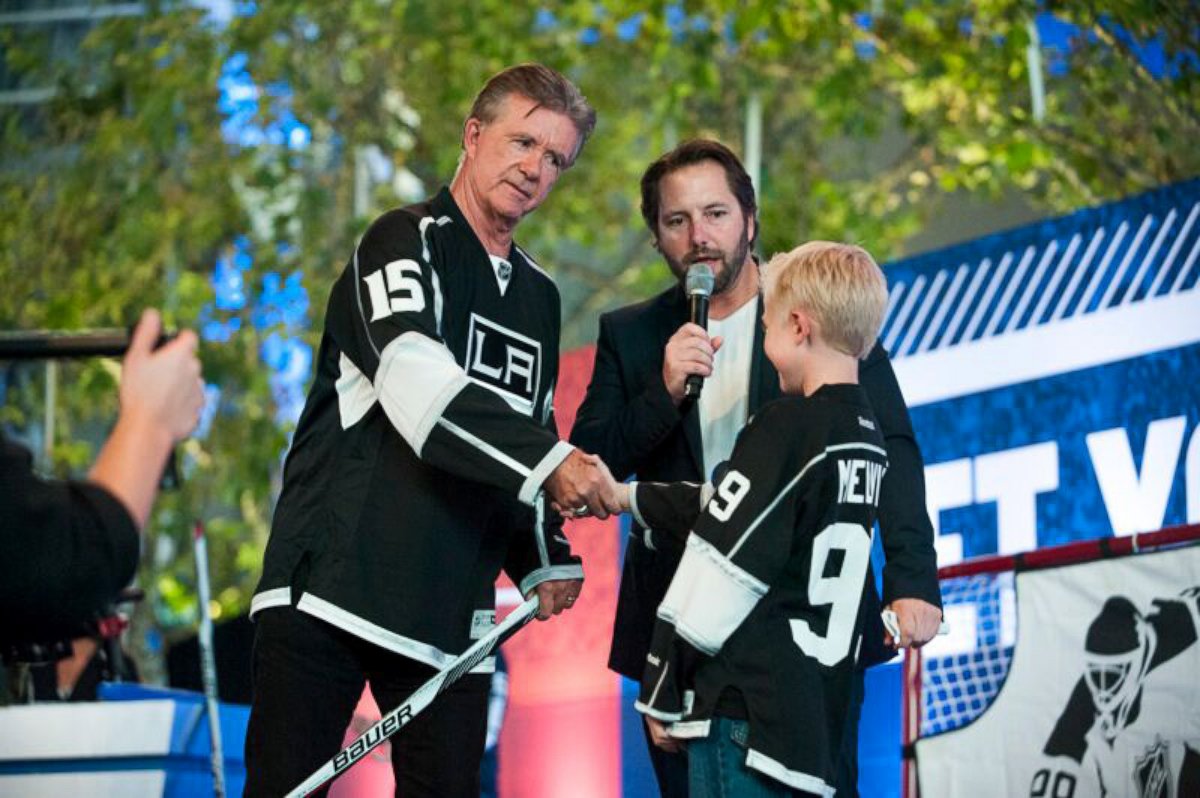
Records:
x=731, y=266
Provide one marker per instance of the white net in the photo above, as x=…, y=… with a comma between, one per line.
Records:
x=962, y=671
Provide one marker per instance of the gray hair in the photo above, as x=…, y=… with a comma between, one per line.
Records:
x=546, y=87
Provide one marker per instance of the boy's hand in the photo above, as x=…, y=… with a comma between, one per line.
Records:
x=625, y=497
x=658, y=733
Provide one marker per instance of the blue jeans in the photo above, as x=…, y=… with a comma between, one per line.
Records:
x=717, y=765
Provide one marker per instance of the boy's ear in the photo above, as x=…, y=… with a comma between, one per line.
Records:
x=800, y=325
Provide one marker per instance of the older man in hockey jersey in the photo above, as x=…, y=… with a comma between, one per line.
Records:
x=420, y=460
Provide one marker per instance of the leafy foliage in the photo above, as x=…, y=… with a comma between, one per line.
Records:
x=122, y=191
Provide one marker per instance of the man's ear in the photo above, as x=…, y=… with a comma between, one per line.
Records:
x=471, y=130
x=751, y=228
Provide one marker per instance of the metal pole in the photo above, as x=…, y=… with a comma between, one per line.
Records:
x=208, y=669
x=1037, y=83
x=50, y=399
x=753, y=140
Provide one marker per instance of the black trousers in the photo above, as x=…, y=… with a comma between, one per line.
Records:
x=671, y=770
x=308, y=677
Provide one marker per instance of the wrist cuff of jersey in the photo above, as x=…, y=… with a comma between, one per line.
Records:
x=543, y=470
x=633, y=506
x=276, y=597
x=648, y=539
x=690, y=730
x=552, y=574
x=665, y=717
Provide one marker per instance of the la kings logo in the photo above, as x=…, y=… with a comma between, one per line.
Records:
x=505, y=362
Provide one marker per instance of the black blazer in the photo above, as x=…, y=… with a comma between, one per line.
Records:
x=627, y=417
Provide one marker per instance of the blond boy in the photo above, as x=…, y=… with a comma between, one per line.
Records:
x=757, y=638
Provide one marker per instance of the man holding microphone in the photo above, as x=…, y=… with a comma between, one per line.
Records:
x=699, y=204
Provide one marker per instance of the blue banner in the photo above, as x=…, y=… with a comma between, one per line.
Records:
x=1053, y=375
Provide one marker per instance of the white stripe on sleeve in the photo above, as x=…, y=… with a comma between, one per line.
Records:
x=416, y=379
x=709, y=597
x=633, y=506
x=552, y=460
x=355, y=393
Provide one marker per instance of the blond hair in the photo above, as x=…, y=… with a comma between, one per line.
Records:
x=839, y=285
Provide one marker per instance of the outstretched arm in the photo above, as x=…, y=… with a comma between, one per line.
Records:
x=162, y=395
x=910, y=584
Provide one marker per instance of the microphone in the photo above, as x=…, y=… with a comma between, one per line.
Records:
x=699, y=286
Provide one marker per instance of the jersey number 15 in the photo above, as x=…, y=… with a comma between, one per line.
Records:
x=400, y=293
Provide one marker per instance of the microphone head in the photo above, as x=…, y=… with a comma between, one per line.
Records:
x=699, y=280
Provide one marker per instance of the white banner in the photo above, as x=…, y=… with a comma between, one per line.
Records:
x=1103, y=696
x=83, y=733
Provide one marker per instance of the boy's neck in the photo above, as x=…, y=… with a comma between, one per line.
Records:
x=828, y=367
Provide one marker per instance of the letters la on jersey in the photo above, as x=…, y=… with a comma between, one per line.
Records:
x=504, y=361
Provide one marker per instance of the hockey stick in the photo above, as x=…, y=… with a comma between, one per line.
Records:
x=399, y=717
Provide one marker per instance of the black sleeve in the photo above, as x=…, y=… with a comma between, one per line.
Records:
x=670, y=507
x=740, y=545
x=66, y=549
x=1069, y=736
x=622, y=431
x=1177, y=624
x=540, y=551
x=385, y=316
x=910, y=570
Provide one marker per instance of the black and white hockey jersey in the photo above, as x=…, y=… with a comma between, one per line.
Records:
x=428, y=431
x=765, y=603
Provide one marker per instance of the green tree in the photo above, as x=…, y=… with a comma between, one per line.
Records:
x=122, y=191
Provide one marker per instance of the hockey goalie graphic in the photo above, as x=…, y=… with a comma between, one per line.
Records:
x=1121, y=732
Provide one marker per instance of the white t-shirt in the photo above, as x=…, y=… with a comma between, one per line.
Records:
x=724, y=402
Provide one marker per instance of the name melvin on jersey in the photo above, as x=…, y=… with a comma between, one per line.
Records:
x=858, y=481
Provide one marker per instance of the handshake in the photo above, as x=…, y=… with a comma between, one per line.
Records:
x=583, y=486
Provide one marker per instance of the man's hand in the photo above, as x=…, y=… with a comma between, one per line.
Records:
x=163, y=387
x=582, y=482
x=658, y=733
x=162, y=395
x=557, y=595
x=689, y=351
x=918, y=621
x=622, y=493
